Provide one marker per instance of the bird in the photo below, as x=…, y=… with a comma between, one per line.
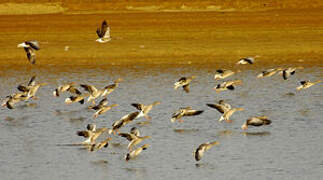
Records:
x=98, y=146
x=269, y=72
x=256, y=121
x=187, y=111
x=103, y=109
x=134, y=133
x=136, y=152
x=77, y=98
x=123, y=121
x=13, y=99
x=289, y=71
x=94, y=92
x=136, y=141
x=91, y=133
x=222, y=74
x=30, y=47
x=66, y=87
x=102, y=103
x=222, y=107
x=226, y=116
x=184, y=82
x=103, y=33
x=31, y=83
x=199, y=152
x=247, y=60
x=228, y=85
x=307, y=84
x=145, y=109
x=31, y=89
x=110, y=88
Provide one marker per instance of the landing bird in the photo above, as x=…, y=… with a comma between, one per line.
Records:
x=229, y=85
x=222, y=107
x=77, y=98
x=256, y=121
x=136, y=152
x=187, y=111
x=103, y=33
x=30, y=48
x=31, y=83
x=110, y=88
x=307, y=84
x=145, y=109
x=226, y=116
x=13, y=99
x=199, y=152
x=268, y=72
x=222, y=74
x=184, y=82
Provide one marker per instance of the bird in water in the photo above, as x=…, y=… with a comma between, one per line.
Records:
x=187, y=111
x=256, y=121
x=184, y=82
x=199, y=152
x=136, y=152
x=222, y=74
x=226, y=116
x=103, y=33
x=289, y=71
x=229, y=85
x=269, y=72
x=30, y=47
x=222, y=106
x=145, y=109
x=307, y=84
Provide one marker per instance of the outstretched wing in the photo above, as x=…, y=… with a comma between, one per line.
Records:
x=32, y=81
x=192, y=112
x=30, y=55
x=33, y=44
x=136, y=105
x=89, y=88
x=217, y=107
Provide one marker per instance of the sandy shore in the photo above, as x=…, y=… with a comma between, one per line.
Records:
x=159, y=37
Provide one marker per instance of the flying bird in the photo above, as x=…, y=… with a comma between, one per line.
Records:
x=289, y=71
x=184, y=82
x=229, y=85
x=307, y=84
x=268, y=73
x=66, y=87
x=226, y=116
x=187, y=111
x=247, y=60
x=222, y=74
x=103, y=109
x=199, y=152
x=103, y=33
x=30, y=47
x=123, y=121
x=91, y=133
x=145, y=109
x=136, y=152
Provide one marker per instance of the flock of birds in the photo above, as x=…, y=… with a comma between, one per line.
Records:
x=92, y=93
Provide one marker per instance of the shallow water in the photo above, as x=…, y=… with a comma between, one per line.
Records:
x=35, y=136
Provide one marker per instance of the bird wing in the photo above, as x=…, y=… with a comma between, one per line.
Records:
x=91, y=89
x=192, y=112
x=220, y=108
x=74, y=90
x=128, y=136
x=30, y=55
x=23, y=88
x=32, y=81
x=33, y=44
x=186, y=88
x=137, y=105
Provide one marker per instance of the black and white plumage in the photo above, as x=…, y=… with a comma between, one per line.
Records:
x=30, y=48
x=103, y=33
